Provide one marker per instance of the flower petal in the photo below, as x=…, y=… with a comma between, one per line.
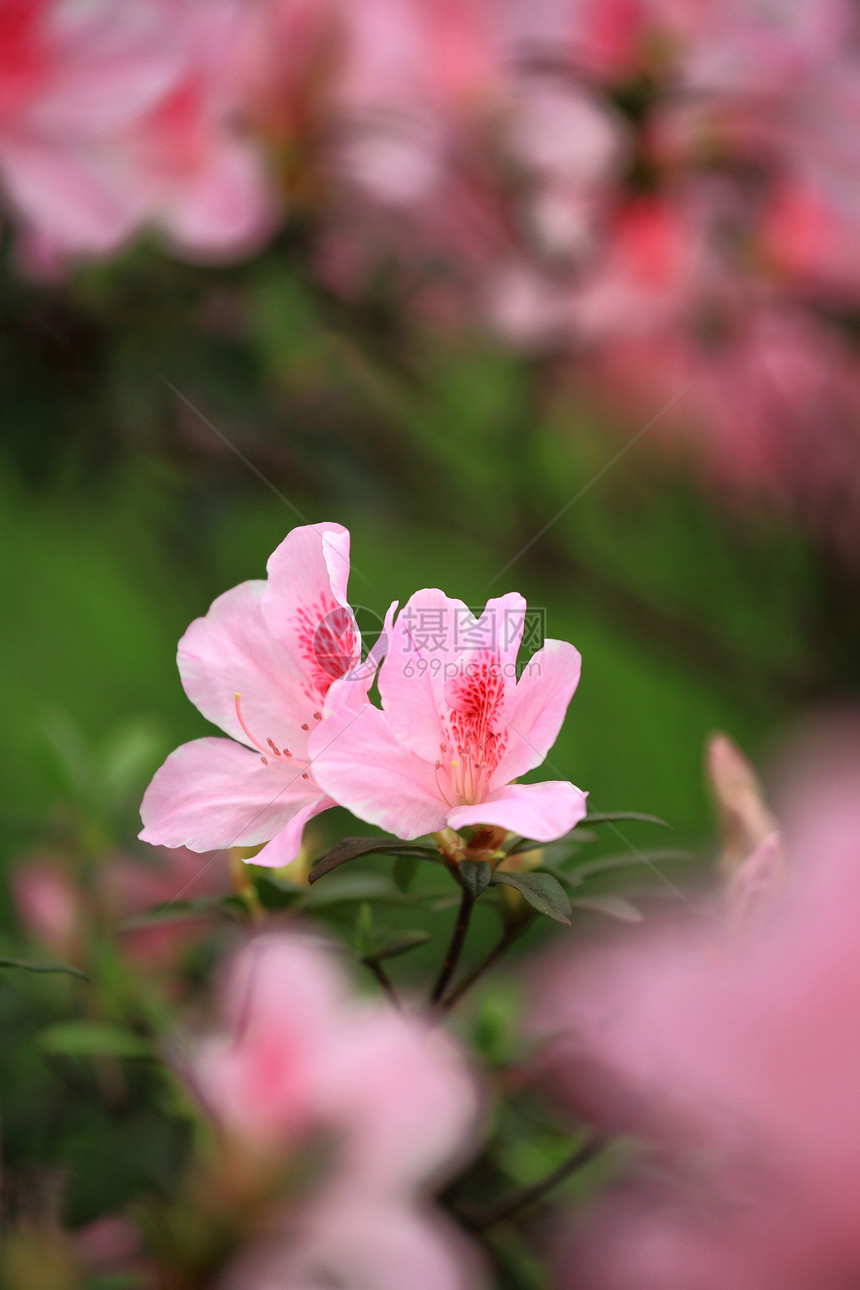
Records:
x=214, y=793
x=305, y=604
x=285, y=846
x=230, y=651
x=534, y=712
x=540, y=811
x=421, y=656
x=357, y=759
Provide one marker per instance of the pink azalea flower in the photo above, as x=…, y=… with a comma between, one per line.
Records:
x=456, y=728
x=259, y=665
x=298, y=1056
x=733, y=1049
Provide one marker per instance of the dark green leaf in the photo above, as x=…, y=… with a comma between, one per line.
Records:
x=574, y=838
x=609, y=904
x=543, y=892
x=352, y=848
x=275, y=894
x=617, y=817
x=90, y=1039
x=629, y=860
x=351, y=887
x=43, y=967
x=399, y=943
x=403, y=873
x=207, y=907
x=475, y=876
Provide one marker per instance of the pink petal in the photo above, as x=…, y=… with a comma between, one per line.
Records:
x=412, y=676
x=214, y=793
x=406, y=1101
x=285, y=846
x=432, y=641
x=534, y=713
x=305, y=604
x=231, y=650
x=224, y=208
x=359, y=762
x=540, y=811
x=65, y=197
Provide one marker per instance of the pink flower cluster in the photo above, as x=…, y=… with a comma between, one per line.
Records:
x=662, y=189
x=277, y=665
x=115, y=118
x=729, y=1047
x=391, y=1103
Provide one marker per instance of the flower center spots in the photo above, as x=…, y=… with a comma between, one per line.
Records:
x=475, y=736
x=328, y=643
x=270, y=749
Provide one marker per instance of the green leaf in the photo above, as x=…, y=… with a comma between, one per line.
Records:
x=617, y=817
x=628, y=860
x=352, y=848
x=43, y=967
x=576, y=837
x=543, y=892
x=91, y=1039
x=232, y=907
x=348, y=888
x=399, y=943
x=275, y=894
x=611, y=905
x=404, y=871
x=475, y=876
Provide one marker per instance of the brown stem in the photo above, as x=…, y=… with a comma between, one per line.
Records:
x=384, y=980
x=455, y=947
x=536, y=1191
x=511, y=934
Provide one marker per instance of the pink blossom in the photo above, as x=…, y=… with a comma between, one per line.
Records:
x=456, y=727
x=115, y=117
x=297, y=1058
x=744, y=817
x=49, y=904
x=733, y=1049
x=259, y=665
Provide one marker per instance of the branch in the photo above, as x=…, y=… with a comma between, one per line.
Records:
x=455, y=948
x=535, y=1191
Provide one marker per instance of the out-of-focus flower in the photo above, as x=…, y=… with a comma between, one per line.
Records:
x=49, y=904
x=744, y=818
x=64, y=912
x=298, y=1059
x=259, y=665
x=456, y=726
x=732, y=1050
x=118, y=117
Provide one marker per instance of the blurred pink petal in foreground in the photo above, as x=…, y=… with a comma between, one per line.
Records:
x=259, y=665
x=457, y=727
x=733, y=1048
x=299, y=1059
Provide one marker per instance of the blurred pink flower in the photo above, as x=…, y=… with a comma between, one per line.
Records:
x=259, y=665
x=733, y=1048
x=744, y=817
x=49, y=904
x=456, y=727
x=299, y=1057
x=116, y=117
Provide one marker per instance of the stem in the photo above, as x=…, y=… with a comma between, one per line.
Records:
x=455, y=947
x=511, y=934
x=384, y=980
x=536, y=1191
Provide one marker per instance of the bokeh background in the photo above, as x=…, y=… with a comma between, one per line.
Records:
x=488, y=246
